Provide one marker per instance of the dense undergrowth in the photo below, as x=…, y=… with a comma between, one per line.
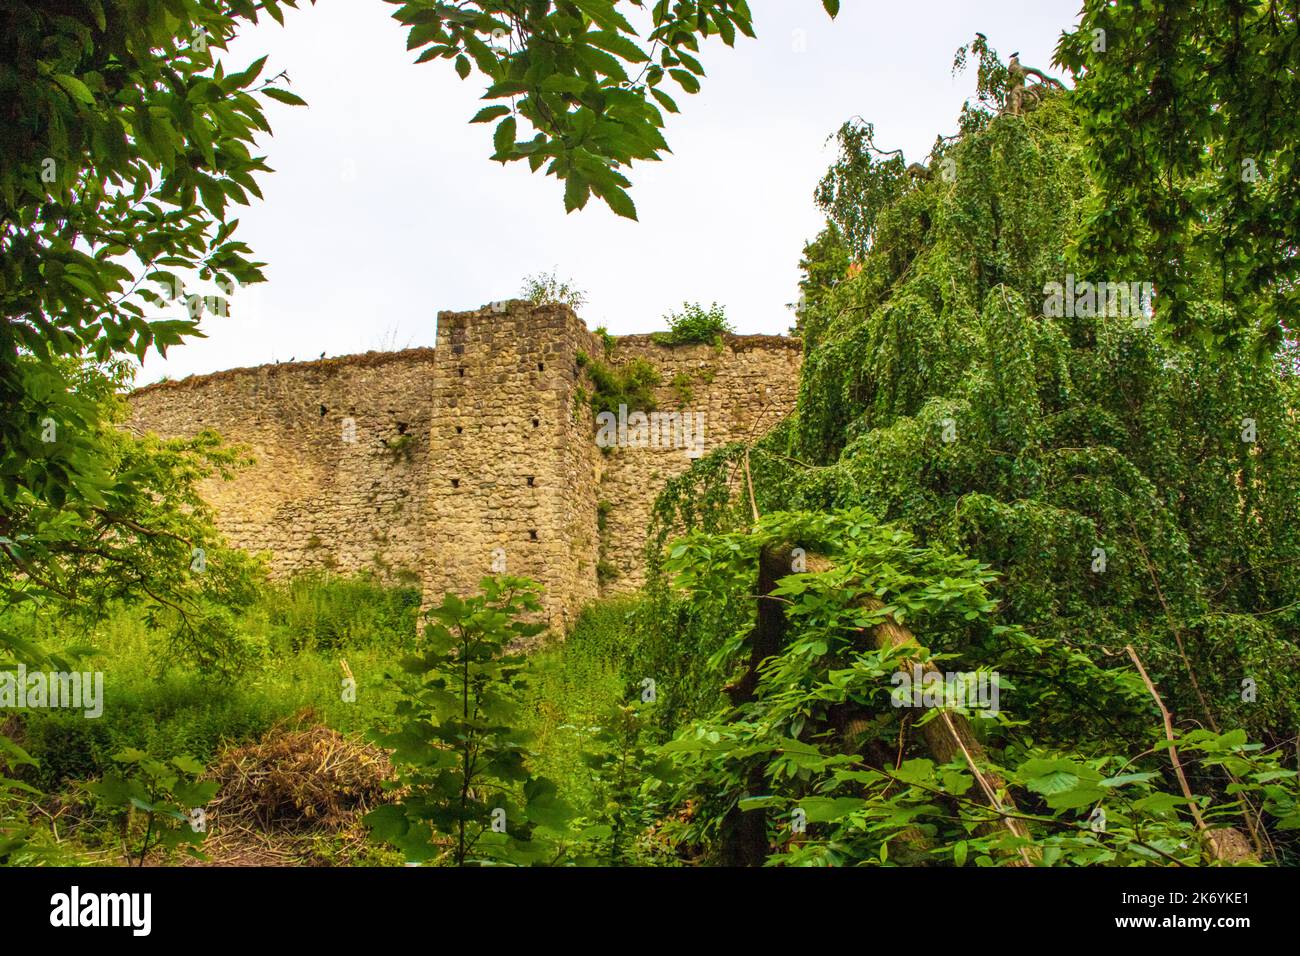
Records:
x=303, y=637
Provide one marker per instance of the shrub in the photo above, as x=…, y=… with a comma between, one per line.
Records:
x=694, y=324
x=574, y=686
x=631, y=384
x=328, y=611
x=547, y=288
x=681, y=384
x=466, y=793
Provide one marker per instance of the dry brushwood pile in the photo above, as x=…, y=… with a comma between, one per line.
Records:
x=299, y=779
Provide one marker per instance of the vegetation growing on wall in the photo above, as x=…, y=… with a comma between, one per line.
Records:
x=631, y=383
x=547, y=288
x=693, y=324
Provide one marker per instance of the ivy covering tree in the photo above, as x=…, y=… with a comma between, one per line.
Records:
x=1122, y=490
x=823, y=758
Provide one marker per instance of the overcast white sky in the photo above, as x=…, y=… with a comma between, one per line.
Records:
x=384, y=207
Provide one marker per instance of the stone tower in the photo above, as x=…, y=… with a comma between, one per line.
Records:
x=512, y=464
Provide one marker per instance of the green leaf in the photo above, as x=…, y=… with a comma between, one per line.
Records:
x=284, y=96
x=603, y=13
x=564, y=83
x=544, y=806
x=196, y=794
x=387, y=822
x=8, y=784
x=666, y=101
x=828, y=809
x=576, y=192
x=112, y=789
x=77, y=89
x=187, y=764
x=617, y=44
x=1159, y=803
x=14, y=755
x=619, y=201
x=602, y=63
x=489, y=113
x=1076, y=797
x=241, y=80
x=1126, y=778
x=504, y=138
x=97, y=11
x=1053, y=782
x=687, y=80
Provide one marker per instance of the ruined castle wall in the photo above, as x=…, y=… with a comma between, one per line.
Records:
x=341, y=452
x=445, y=465
x=743, y=388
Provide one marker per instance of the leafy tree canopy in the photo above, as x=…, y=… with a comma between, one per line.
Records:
x=1189, y=113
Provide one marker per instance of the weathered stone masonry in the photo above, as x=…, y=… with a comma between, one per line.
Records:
x=312, y=499
x=439, y=465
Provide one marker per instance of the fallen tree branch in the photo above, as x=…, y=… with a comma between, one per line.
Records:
x=1225, y=843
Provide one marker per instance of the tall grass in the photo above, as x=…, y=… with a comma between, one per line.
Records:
x=315, y=612
x=303, y=631
x=575, y=686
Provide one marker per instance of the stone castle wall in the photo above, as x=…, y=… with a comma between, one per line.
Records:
x=341, y=457
x=744, y=388
x=444, y=465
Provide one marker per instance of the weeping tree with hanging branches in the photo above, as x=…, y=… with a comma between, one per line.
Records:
x=974, y=380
